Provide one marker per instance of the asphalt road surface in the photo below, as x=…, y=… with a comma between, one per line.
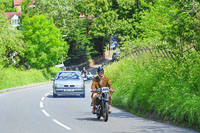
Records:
x=34, y=110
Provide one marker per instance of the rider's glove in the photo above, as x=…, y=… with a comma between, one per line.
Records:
x=112, y=90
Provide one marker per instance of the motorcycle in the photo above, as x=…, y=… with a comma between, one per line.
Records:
x=101, y=105
x=87, y=77
x=84, y=77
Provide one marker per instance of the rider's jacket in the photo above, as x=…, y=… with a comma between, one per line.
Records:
x=99, y=82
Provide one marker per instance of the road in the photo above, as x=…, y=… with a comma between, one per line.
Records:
x=34, y=110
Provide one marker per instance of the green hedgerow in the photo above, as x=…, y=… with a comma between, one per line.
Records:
x=167, y=88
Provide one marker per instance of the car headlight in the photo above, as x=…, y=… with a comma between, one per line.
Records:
x=79, y=86
x=58, y=85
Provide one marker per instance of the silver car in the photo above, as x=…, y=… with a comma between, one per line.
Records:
x=69, y=83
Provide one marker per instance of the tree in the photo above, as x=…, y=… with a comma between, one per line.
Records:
x=11, y=44
x=65, y=14
x=115, y=17
x=173, y=22
x=44, y=46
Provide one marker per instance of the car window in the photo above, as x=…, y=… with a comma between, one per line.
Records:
x=68, y=75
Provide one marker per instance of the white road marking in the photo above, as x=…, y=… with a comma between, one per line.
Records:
x=45, y=113
x=41, y=104
x=54, y=120
x=59, y=123
x=46, y=94
x=42, y=98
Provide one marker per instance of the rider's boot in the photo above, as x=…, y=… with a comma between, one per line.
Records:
x=93, y=110
x=109, y=110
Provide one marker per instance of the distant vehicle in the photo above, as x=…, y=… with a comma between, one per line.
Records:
x=68, y=83
x=113, y=45
x=116, y=56
x=90, y=76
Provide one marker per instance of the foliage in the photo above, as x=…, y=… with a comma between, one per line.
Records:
x=11, y=44
x=177, y=24
x=44, y=46
x=165, y=89
x=11, y=77
x=7, y=3
x=111, y=17
x=162, y=22
x=73, y=29
x=115, y=17
x=7, y=6
x=170, y=23
x=81, y=48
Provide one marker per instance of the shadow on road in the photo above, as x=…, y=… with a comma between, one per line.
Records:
x=63, y=96
x=122, y=115
x=146, y=125
x=87, y=119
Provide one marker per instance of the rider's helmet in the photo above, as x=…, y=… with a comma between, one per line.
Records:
x=100, y=70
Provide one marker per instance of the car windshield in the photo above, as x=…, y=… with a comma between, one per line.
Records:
x=117, y=53
x=68, y=75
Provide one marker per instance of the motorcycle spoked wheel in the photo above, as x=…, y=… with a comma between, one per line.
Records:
x=98, y=112
x=105, y=112
x=98, y=116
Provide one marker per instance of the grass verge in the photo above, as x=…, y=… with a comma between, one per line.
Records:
x=162, y=89
x=11, y=77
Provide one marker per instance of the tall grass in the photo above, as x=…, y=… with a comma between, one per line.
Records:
x=10, y=77
x=169, y=90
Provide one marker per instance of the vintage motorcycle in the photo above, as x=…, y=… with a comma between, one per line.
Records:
x=102, y=106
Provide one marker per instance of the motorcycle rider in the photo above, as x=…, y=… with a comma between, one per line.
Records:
x=98, y=82
x=84, y=71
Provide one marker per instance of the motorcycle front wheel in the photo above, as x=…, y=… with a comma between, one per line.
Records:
x=105, y=112
x=98, y=116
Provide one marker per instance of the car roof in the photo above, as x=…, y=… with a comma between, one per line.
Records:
x=69, y=71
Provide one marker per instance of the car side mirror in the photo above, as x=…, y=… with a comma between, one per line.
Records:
x=52, y=79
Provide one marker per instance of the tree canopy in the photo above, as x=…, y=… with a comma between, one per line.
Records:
x=43, y=44
x=168, y=23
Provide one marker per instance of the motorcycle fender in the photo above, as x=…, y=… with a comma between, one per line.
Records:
x=106, y=99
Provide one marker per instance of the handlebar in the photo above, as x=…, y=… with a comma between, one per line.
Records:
x=103, y=89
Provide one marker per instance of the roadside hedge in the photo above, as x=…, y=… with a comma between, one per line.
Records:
x=163, y=89
x=11, y=77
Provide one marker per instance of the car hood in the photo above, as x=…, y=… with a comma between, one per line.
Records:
x=69, y=81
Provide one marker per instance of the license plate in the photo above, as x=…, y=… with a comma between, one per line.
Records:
x=105, y=89
x=69, y=89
